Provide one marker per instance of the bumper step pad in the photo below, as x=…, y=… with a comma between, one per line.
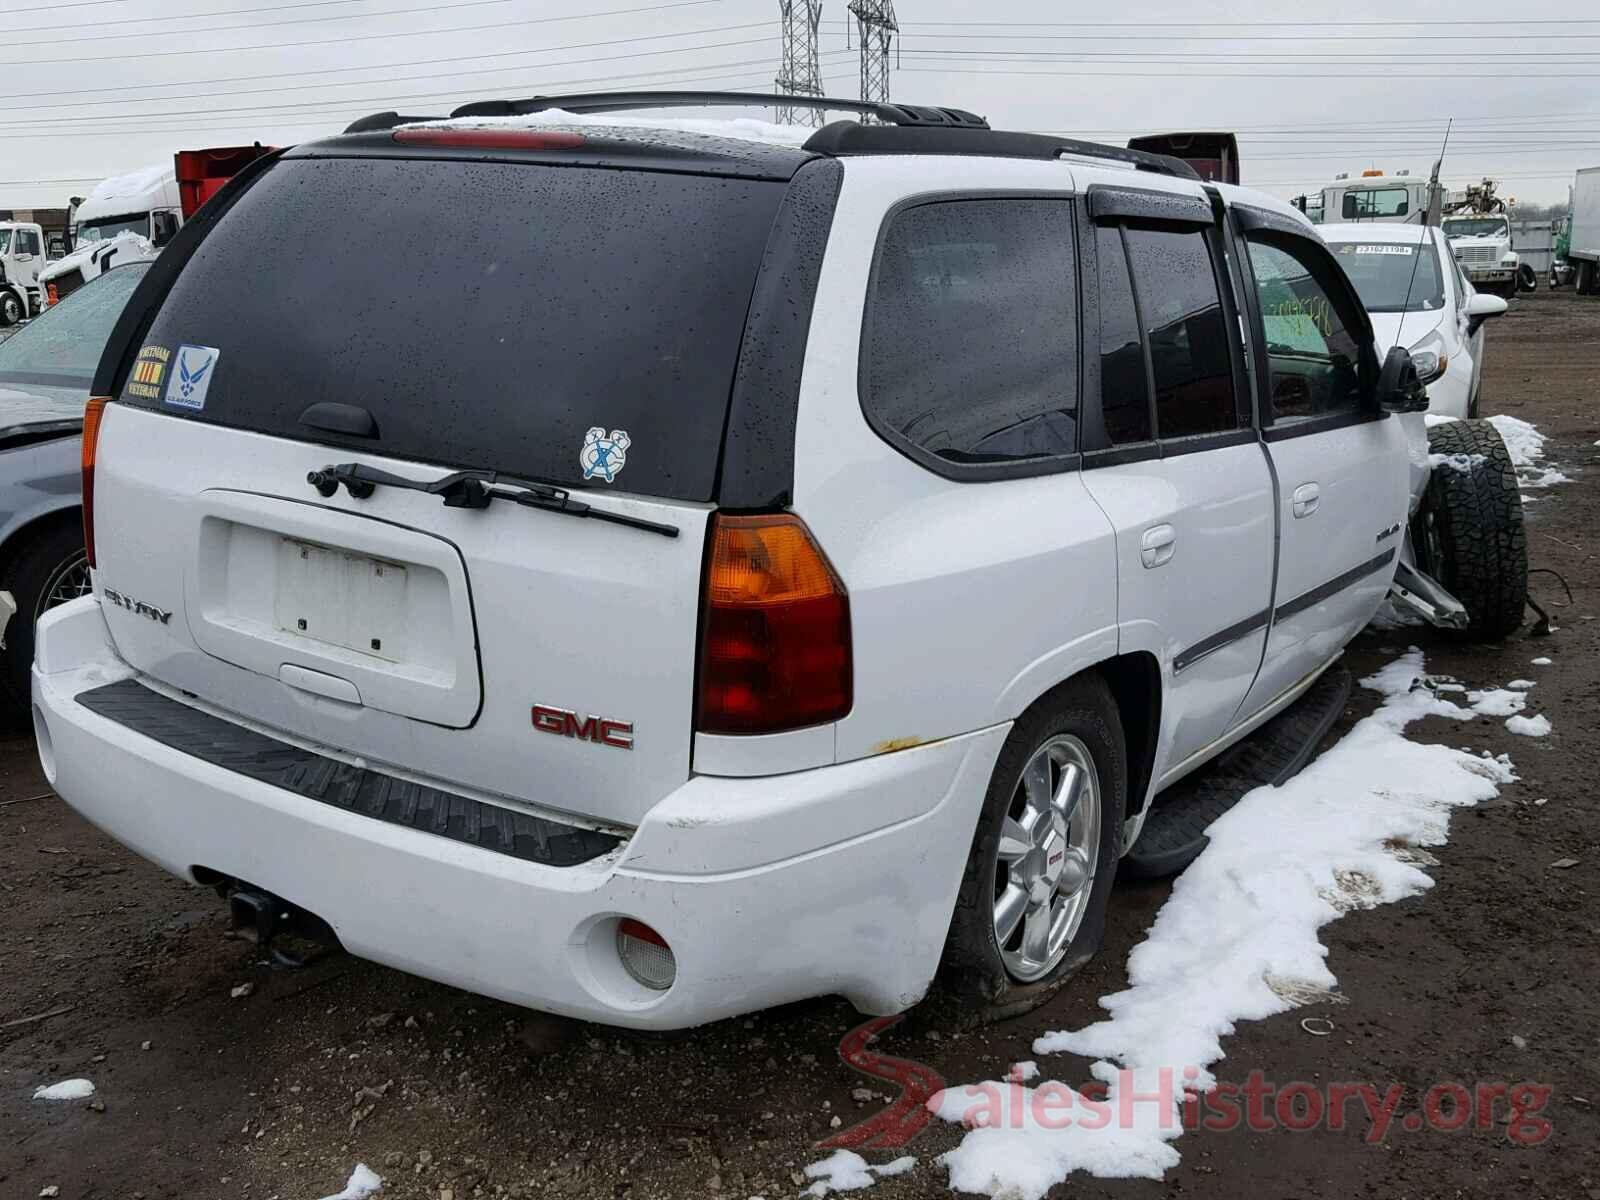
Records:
x=1174, y=833
x=340, y=784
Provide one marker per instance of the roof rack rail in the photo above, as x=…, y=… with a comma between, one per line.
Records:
x=848, y=137
x=600, y=102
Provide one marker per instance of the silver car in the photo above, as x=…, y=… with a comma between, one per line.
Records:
x=45, y=372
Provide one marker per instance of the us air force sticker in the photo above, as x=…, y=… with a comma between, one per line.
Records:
x=603, y=456
x=190, y=378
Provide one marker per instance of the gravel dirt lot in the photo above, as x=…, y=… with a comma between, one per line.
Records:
x=279, y=1092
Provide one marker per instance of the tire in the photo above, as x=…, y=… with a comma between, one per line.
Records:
x=1527, y=279
x=1584, y=279
x=1469, y=533
x=41, y=564
x=11, y=310
x=979, y=977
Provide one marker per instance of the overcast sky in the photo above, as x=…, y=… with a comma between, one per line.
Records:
x=98, y=87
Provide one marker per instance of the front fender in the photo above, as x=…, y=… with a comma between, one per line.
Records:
x=36, y=482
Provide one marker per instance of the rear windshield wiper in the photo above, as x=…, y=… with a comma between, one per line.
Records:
x=473, y=489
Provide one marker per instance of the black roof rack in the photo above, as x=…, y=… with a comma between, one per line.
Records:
x=906, y=128
x=600, y=102
x=849, y=137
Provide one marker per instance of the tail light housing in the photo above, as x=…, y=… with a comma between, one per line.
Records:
x=92, y=416
x=775, y=649
x=52, y=298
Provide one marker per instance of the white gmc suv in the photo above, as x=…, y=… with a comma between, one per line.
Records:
x=650, y=575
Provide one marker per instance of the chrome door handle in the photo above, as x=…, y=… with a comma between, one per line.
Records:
x=1305, y=499
x=1157, y=545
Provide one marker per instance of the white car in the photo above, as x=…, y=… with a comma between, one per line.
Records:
x=1418, y=297
x=789, y=569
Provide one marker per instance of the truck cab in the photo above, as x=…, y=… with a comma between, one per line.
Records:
x=1375, y=196
x=1482, y=245
x=22, y=256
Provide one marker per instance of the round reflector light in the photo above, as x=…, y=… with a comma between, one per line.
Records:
x=645, y=955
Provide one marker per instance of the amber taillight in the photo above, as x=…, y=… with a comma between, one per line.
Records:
x=92, y=416
x=775, y=652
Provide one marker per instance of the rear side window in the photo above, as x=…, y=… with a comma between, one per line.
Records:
x=487, y=315
x=1124, y=381
x=1190, y=353
x=970, y=354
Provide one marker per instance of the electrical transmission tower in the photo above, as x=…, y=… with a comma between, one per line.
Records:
x=875, y=22
x=800, y=75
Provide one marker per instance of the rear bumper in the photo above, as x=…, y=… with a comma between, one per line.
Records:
x=838, y=880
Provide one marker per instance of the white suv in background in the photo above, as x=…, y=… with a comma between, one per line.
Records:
x=1417, y=295
x=651, y=574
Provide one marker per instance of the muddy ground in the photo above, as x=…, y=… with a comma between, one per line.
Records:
x=279, y=1092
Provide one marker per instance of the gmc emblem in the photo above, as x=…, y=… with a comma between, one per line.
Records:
x=600, y=730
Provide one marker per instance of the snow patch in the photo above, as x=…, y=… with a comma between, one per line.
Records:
x=1536, y=726
x=1465, y=463
x=1525, y=444
x=741, y=128
x=1541, y=662
x=847, y=1171
x=1022, y=1072
x=135, y=184
x=363, y=1182
x=1497, y=702
x=1241, y=923
x=67, y=1089
x=1521, y=685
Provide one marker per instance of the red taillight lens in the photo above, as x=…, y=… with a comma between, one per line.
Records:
x=775, y=653
x=491, y=139
x=92, y=416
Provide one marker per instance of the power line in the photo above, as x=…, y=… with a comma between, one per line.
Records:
x=1410, y=75
x=341, y=41
x=393, y=12
x=417, y=62
x=321, y=122
x=396, y=78
x=350, y=103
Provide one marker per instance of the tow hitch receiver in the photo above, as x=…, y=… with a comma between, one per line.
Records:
x=268, y=918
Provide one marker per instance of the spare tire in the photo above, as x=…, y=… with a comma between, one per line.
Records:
x=1468, y=533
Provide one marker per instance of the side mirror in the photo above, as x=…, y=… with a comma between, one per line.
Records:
x=1400, y=390
x=1480, y=308
x=164, y=228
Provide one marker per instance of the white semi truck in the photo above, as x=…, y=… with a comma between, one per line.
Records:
x=126, y=218
x=129, y=218
x=1478, y=224
x=22, y=255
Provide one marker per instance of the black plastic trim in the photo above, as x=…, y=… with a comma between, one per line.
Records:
x=343, y=785
x=1216, y=641
x=1253, y=220
x=1335, y=585
x=1327, y=423
x=852, y=137
x=758, y=442
x=1020, y=468
x=1200, y=442
x=1116, y=456
x=1109, y=203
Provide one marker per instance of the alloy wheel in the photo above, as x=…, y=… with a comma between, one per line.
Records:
x=1045, y=863
x=68, y=581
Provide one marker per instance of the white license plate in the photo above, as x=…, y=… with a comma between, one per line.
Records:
x=342, y=599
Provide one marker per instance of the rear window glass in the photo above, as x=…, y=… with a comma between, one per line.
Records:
x=487, y=315
x=971, y=353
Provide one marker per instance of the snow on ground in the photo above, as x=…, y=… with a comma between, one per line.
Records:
x=743, y=128
x=847, y=1171
x=1535, y=726
x=1526, y=446
x=1497, y=702
x=67, y=1089
x=1523, y=442
x=363, y=1182
x=1541, y=662
x=1237, y=935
